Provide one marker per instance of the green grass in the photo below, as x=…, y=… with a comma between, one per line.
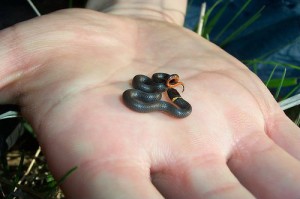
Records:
x=234, y=18
x=271, y=76
x=242, y=28
x=274, y=83
x=280, y=84
x=211, y=21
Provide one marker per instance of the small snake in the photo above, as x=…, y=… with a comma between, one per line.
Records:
x=147, y=93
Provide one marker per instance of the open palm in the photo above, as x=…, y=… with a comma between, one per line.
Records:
x=75, y=65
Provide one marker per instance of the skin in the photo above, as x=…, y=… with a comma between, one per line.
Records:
x=68, y=70
x=146, y=94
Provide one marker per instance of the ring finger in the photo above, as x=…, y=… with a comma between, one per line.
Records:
x=202, y=177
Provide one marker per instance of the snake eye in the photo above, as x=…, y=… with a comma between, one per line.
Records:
x=173, y=81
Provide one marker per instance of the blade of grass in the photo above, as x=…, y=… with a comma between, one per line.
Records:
x=37, y=153
x=233, y=19
x=272, y=63
x=23, y=188
x=54, y=186
x=271, y=75
x=286, y=83
x=28, y=127
x=201, y=19
x=280, y=86
x=290, y=102
x=249, y=22
x=61, y=180
x=37, y=12
x=19, y=173
x=209, y=11
x=9, y=114
x=212, y=22
x=291, y=92
x=255, y=68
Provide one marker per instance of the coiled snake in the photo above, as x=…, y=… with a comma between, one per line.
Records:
x=147, y=93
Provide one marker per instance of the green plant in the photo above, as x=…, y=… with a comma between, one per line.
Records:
x=210, y=21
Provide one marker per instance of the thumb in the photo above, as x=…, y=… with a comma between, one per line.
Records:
x=286, y=134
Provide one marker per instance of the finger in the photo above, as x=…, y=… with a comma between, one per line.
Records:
x=172, y=11
x=113, y=182
x=265, y=169
x=286, y=134
x=205, y=177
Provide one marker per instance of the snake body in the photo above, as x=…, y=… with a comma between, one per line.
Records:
x=147, y=93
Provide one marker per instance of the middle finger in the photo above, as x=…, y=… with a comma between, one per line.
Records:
x=265, y=169
x=206, y=176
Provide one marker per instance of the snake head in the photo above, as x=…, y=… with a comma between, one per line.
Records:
x=173, y=81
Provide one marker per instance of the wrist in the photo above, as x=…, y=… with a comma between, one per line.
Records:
x=172, y=11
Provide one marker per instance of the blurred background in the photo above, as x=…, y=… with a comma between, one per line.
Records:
x=272, y=37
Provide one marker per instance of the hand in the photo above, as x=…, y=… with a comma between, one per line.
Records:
x=68, y=70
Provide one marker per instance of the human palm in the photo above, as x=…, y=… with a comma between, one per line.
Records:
x=236, y=143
